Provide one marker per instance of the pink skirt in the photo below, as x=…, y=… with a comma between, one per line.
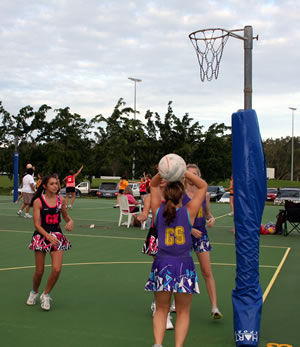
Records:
x=40, y=243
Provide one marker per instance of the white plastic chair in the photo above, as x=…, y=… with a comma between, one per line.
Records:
x=125, y=210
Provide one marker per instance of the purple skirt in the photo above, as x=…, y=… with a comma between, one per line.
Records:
x=40, y=243
x=173, y=274
x=201, y=244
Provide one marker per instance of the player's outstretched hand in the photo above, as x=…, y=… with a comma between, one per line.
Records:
x=69, y=225
x=211, y=222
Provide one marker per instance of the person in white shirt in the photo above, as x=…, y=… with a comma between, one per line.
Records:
x=28, y=190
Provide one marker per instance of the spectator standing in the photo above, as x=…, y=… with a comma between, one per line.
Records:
x=28, y=189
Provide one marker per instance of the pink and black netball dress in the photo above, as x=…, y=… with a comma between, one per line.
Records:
x=50, y=219
x=173, y=269
x=201, y=244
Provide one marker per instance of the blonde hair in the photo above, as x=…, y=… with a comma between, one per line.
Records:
x=194, y=166
x=128, y=190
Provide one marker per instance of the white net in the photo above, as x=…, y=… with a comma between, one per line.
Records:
x=209, y=45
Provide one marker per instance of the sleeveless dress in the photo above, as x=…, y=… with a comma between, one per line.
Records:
x=50, y=219
x=201, y=244
x=173, y=269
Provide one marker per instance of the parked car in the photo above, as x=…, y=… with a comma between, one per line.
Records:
x=108, y=190
x=215, y=192
x=291, y=194
x=271, y=194
x=78, y=193
x=225, y=198
x=135, y=187
x=85, y=188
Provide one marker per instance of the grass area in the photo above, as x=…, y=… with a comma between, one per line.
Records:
x=283, y=184
x=5, y=182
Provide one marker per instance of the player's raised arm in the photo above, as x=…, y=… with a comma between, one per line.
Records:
x=155, y=193
x=196, y=202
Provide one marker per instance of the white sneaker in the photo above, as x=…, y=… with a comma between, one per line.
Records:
x=32, y=298
x=216, y=314
x=70, y=206
x=230, y=214
x=19, y=213
x=27, y=215
x=45, y=301
x=169, y=325
x=173, y=307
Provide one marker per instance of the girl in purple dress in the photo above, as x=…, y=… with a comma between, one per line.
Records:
x=173, y=270
x=201, y=244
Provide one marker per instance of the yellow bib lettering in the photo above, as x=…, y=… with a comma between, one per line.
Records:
x=175, y=236
x=200, y=213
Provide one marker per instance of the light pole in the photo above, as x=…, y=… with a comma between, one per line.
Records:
x=292, y=161
x=133, y=159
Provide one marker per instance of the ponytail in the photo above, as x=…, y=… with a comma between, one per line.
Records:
x=169, y=211
x=173, y=193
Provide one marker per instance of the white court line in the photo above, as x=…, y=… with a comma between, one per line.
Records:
x=114, y=263
x=81, y=235
x=132, y=238
x=270, y=285
x=224, y=215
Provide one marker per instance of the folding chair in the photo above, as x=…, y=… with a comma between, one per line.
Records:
x=125, y=210
x=292, y=213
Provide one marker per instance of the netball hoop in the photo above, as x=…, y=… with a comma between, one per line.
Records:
x=209, y=45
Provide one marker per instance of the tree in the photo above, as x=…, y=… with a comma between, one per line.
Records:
x=107, y=145
x=215, y=154
x=278, y=156
x=115, y=139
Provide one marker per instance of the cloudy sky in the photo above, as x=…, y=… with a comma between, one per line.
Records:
x=80, y=53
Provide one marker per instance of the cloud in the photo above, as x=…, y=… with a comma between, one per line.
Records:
x=81, y=53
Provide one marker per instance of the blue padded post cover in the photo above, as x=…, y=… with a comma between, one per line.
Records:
x=250, y=190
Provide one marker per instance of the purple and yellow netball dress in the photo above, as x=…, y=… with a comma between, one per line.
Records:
x=202, y=243
x=173, y=269
x=50, y=219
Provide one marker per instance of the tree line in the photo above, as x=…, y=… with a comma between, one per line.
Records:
x=109, y=145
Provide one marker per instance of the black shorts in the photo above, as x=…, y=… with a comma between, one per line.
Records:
x=143, y=193
x=121, y=191
x=70, y=190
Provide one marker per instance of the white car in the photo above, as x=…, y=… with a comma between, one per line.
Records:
x=290, y=194
x=225, y=198
x=135, y=187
